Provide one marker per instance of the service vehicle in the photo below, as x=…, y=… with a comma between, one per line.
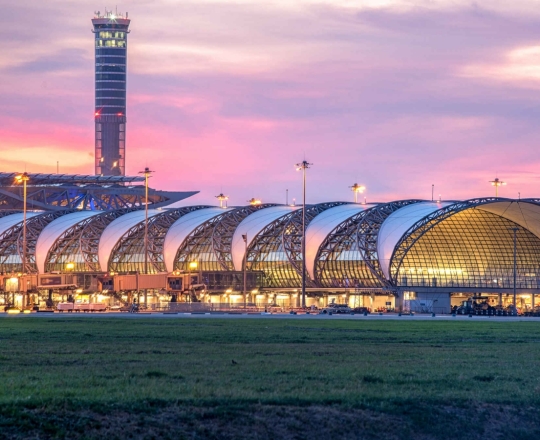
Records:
x=337, y=309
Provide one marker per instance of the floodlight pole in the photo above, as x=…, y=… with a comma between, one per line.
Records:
x=244, y=237
x=303, y=166
x=356, y=188
x=146, y=173
x=515, y=262
x=24, y=178
x=496, y=183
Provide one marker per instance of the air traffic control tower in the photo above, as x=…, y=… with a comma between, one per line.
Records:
x=110, y=30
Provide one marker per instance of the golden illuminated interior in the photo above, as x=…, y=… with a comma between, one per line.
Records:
x=473, y=248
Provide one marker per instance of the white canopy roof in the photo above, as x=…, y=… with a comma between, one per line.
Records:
x=527, y=215
x=181, y=228
x=397, y=224
x=252, y=225
x=53, y=231
x=114, y=232
x=11, y=220
x=319, y=228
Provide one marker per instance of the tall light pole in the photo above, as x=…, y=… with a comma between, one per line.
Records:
x=303, y=166
x=146, y=173
x=355, y=188
x=244, y=237
x=222, y=198
x=23, y=178
x=515, y=262
x=496, y=183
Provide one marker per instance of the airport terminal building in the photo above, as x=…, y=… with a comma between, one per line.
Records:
x=407, y=253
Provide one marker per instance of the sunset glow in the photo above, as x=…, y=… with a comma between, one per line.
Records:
x=227, y=97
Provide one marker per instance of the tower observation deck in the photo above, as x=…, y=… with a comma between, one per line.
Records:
x=110, y=31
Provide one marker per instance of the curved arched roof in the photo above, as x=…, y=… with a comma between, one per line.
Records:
x=252, y=225
x=324, y=223
x=181, y=228
x=114, y=231
x=527, y=215
x=397, y=224
x=53, y=231
x=471, y=248
x=11, y=220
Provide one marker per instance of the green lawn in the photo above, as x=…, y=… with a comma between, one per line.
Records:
x=268, y=379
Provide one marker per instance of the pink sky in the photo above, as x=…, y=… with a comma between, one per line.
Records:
x=228, y=96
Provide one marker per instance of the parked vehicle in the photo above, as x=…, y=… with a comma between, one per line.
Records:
x=472, y=306
x=361, y=310
x=337, y=309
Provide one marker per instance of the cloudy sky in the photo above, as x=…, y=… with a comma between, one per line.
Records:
x=228, y=95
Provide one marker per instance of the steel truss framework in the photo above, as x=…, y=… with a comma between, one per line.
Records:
x=7, y=179
x=8, y=258
x=11, y=243
x=491, y=230
x=266, y=253
x=79, y=244
x=90, y=197
x=277, y=249
x=225, y=228
x=339, y=261
x=56, y=192
x=128, y=253
x=457, y=245
x=367, y=232
x=199, y=247
x=292, y=236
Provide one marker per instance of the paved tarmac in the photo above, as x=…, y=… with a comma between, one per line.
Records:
x=359, y=317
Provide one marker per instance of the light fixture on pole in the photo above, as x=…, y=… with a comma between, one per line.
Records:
x=244, y=237
x=515, y=229
x=23, y=178
x=303, y=166
x=496, y=183
x=146, y=173
x=355, y=188
x=222, y=198
x=192, y=265
x=254, y=202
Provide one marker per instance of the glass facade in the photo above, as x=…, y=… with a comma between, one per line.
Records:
x=225, y=228
x=199, y=247
x=340, y=263
x=67, y=249
x=472, y=248
x=460, y=247
x=110, y=107
x=11, y=243
x=268, y=255
x=128, y=254
x=10, y=259
x=79, y=244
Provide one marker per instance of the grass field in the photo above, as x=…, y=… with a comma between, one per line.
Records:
x=268, y=379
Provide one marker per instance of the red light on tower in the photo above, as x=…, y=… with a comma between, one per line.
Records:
x=96, y=114
x=119, y=114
